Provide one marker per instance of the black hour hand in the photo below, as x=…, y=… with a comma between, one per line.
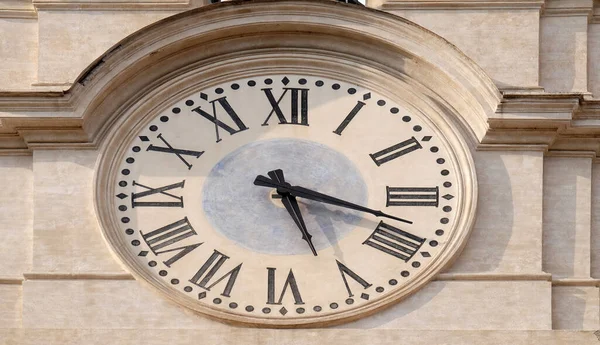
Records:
x=291, y=205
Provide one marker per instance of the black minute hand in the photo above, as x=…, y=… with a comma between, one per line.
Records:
x=306, y=193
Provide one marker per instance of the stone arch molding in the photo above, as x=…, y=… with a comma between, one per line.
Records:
x=204, y=46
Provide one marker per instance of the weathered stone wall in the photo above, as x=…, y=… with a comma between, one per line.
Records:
x=531, y=265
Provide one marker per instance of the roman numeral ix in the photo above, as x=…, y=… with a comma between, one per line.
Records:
x=153, y=191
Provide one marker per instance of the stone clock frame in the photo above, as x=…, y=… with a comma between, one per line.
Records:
x=151, y=104
x=300, y=46
x=206, y=46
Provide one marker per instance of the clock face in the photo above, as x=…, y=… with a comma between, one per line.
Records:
x=284, y=200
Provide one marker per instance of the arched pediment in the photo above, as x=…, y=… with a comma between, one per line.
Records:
x=210, y=44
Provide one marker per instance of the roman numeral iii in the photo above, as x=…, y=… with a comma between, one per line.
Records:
x=162, y=240
x=394, y=241
x=412, y=196
x=299, y=106
x=395, y=151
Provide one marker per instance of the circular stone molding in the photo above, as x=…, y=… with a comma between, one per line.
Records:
x=177, y=57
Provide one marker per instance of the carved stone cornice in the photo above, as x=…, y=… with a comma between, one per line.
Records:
x=595, y=19
x=99, y=5
x=461, y=4
x=223, y=39
x=562, y=124
x=568, y=8
x=17, y=9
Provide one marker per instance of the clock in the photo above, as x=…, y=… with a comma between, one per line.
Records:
x=286, y=200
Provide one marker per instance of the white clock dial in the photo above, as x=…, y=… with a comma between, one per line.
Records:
x=256, y=200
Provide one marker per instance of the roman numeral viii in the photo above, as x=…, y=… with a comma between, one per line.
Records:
x=209, y=269
x=299, y=106
x=412, y=196
x=163, y=240
x=394, y=241
x=395, y=151
x=157, y=191
x=224, y=104
x=290, y=283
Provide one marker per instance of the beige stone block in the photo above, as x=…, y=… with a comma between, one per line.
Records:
x=563, y=54
x=16, y=215
x=241, y=336
x=116, y=304
x=505, y=43
x=292, y=337
x=10, y=306
x=594, y=59
x=567, y=216
x=507, y=236
x=12, y=336
x=18, y=53
x=124, y=304
x=595, y=246
x=65, y=36
x=575, y=307
x=67, y=236
x=469, y=305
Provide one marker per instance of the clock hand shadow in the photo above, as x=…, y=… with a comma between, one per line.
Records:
x=326, y=216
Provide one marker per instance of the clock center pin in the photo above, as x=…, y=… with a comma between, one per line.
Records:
x=275, y=198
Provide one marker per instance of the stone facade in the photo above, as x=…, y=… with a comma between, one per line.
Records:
x=524, y=75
